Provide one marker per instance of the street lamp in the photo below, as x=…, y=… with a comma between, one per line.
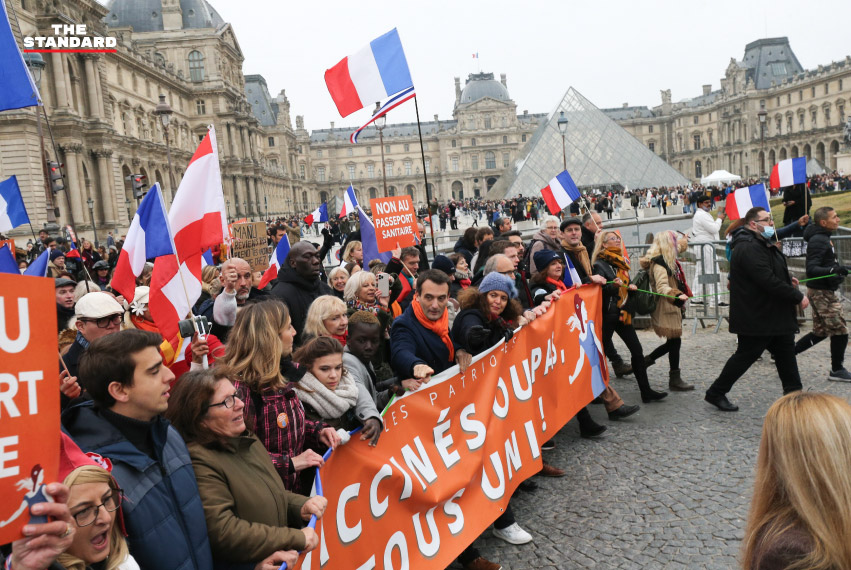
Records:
x=562, y=127
x=164, y=111
x=91, y=204
x=380, y=123
x=762, y=115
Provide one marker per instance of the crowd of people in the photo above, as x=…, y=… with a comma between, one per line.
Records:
x=205, y=459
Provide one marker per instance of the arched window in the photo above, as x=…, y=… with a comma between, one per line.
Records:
x=490, y=160
x=196, y=66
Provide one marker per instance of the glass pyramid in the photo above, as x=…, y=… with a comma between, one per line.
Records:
x=600, y=154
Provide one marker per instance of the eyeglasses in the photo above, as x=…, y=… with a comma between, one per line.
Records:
x=613, y=238
x=227, y=402
x=105, y=322
x=765, y=221
x=90, y=514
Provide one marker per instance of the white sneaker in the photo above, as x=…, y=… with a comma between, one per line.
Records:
x=513, y=534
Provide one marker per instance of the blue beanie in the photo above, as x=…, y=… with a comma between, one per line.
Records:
x=498, y=282
x=543, y=258
x=56, y=253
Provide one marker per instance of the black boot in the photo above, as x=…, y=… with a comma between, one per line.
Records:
x=587, y=426
x=676, y=383
x=647, y=393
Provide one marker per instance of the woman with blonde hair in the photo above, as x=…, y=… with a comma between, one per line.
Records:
x=353, y=253
x=610, y=261
x=668, y=278
x=327, y=316
x=800, y=514
x=337, y=279
x=209, y=275
x=258, y=354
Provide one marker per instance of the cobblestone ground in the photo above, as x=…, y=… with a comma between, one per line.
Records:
x=668, y=488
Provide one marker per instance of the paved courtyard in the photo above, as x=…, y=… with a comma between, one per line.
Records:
x=668, y=488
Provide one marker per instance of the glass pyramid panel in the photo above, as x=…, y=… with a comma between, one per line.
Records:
x=600, y=153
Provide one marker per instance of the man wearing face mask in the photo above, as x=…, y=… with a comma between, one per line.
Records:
x=763, y=309
x=705, y=229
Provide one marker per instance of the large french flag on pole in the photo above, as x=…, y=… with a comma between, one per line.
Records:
x=373, y=73
x=560, y=193
x=350, y=203
x=197, y=222
x=147, y=238
x=318, y=215
x=18, y=88
x=276, y=262
x=788, y=173
x=743, y=199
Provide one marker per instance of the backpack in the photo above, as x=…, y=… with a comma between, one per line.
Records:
x=642, y=303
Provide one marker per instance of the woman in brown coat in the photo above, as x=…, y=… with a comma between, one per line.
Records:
x=246, y=506
x=667, y=278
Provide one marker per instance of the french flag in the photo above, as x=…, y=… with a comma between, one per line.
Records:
x=276, y=262
x=743, y=199
x=561, y=193
x=8, y=263
x=571, y=276
x=197, y=222
x=373, y=73
x=788, y=173
x=38, y=268
x=350, y=203
x=147, y=238
x=73, y=253
x=318, y=215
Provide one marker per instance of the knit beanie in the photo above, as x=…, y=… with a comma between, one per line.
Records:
x=56, y=253
x=498, y=282
x=443, y=263
x=543, y=258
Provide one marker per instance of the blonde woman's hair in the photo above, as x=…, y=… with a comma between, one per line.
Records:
x=664, y=244
x=322, y=308
x=350, y=247
x=333, y=273
x=254, y=347
x=118, y=550
x=209, y=274
x=354, y=284
x=599, y=241
x=803, y=480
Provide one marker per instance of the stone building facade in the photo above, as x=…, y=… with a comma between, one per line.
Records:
x=805, y=111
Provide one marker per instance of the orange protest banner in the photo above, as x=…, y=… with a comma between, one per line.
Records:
x=453, y=452
x=29, y=399
x=395, y=222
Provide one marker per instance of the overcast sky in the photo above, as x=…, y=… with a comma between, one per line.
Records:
x=611, y=51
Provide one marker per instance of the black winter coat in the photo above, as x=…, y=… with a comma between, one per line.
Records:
x=477, y=341
x=762, y=297
x=298, y=293
x=821, y=259
x=611, y=298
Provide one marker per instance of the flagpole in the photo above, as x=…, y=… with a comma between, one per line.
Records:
x=425, y=177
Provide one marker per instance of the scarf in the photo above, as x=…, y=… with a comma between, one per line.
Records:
x=614, y=257
x=329, y=404
x=464, y=279
x=341, y=337
x=580, y=254
x=559, y=285
x=680, y=275
x=440, y=327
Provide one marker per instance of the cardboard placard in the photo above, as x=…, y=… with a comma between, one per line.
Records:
x=251, y=244
x=395, y=222
x=29, y=399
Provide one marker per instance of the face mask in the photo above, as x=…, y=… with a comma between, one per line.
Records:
x=768, y=232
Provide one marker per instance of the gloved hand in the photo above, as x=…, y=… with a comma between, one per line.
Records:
x=477, y=338
x=508, y=334
x=840, y=270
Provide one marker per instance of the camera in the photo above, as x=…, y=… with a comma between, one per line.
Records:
x=187, y=326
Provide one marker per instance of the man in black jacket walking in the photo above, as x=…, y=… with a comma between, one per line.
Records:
x=828, y=320
x=763, y=300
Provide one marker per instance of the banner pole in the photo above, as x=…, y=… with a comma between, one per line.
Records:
x=425, y=177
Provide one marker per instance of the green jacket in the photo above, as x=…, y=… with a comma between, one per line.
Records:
x=245, y=502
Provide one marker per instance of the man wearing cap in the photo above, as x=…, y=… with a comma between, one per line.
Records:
x=64, y=302
x=705, y=229
x=101, y=274
x=98, y=314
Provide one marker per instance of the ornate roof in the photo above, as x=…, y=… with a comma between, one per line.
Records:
x=481, y=85
x=146, y=15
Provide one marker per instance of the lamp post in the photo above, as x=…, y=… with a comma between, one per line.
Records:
x=762, y=115
x=562, y=127
x=380, y=122
x=163, y=110
x=91, y=204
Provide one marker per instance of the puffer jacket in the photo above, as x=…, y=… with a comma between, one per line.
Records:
x=162, y=507
x=821, y=259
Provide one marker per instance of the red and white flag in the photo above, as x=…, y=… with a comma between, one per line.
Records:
x=197, y=221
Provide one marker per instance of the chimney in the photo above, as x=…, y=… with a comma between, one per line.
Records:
x=435, y=118
x=707, y=89
x=502, y=80
x=626, y=105
x=332, y=124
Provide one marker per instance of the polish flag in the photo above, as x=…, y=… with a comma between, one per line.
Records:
x=561, y=193
x=743, y=199
x=373, y=73
x=276, y=262
x=147, y=238
x=197, y=221
x=350, y=203
x=318, y=215
x=788, y=173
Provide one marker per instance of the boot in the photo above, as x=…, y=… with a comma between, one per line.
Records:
x=588, y=428
x=621, y=368
x=648, y=394
x=676, y=383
